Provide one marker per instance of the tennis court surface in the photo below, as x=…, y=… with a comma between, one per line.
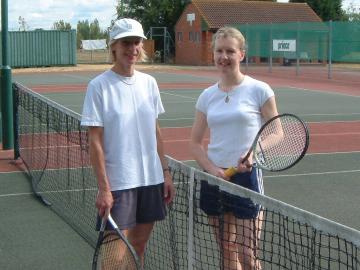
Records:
x=54, y=149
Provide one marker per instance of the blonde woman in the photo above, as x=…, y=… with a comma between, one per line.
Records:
x=233, y=110
x=121, y=110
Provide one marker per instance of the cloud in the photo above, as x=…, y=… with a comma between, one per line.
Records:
x=345, y=3
x=43, y=13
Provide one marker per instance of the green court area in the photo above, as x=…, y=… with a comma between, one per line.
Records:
x=33, y=236
x=310, y=104
x=324, y=182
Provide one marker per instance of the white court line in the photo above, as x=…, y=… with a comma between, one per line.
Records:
x=73, y=106
x=78, y=77
x=175, y=119
x=49, y=192
x=15, y=194
x=334, y=133
x=334, y=153
x=318, y=91
x=171, y=90
x=176, y=95
x=46, y=192
x=51, y=94
x=312, y=134
x=177, y=127
x=309, y=174
x=308, y=122
x=177, y=102
x=330, y=121
x=19, y=172
x=332, y=114
x=201, y=76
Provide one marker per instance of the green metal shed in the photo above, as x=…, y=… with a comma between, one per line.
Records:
x=42, y=48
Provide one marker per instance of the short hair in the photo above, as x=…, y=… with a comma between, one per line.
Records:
x=228, y=31
x=142, y=57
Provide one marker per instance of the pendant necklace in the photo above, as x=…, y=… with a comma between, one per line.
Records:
x=128, y=80
x=231, y=91
x=227, y=98
x=228, y=95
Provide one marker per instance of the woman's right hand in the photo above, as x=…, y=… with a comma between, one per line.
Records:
x=104, y=201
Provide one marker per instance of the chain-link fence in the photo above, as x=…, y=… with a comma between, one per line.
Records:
x=298, y=43
x=93, y=56
x=103, y=56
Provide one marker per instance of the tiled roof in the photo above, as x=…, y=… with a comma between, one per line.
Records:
x=218, y=13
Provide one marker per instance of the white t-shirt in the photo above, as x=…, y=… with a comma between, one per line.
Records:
x=233, y=125
x=127, y=108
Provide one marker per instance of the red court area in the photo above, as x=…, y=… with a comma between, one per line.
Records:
x=325, y=137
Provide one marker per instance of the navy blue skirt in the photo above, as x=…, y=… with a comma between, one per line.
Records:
x=215, y=202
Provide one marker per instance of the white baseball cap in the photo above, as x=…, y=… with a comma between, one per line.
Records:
x=126, y=28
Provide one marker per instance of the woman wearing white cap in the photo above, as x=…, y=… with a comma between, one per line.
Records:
x=121, y=110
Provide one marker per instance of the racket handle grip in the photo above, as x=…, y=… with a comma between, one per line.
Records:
x=230, y=171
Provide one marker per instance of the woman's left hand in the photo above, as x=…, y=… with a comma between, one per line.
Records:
x=169, y=190
x=245, y=166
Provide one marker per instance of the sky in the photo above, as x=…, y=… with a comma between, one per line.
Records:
x=345, y=3
x=43, y=13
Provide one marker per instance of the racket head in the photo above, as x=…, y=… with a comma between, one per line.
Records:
x=280, y=143
x=113, y=251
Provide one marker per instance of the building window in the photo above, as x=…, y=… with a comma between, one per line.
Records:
x=179, y=36
x=197, y=37
x=191, y=36
x=194, y=37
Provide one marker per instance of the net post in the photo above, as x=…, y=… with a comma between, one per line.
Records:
x=297, y=48
x=330, y=49
x=247, y=46
x=190, y=243
x=15, y=94
x=270, y=48
x=5, y=79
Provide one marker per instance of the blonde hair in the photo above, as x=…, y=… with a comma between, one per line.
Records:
x=228, y=31
x=142, y=57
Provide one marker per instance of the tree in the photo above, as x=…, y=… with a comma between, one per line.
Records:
x=326, y=9
x=23, y=26
x=86, y=30
x=61, y=25
x=95, y=30
x=352, y=13
x=154, y=13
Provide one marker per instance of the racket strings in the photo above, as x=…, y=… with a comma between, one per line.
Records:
x=282, y=143
x=115, y=254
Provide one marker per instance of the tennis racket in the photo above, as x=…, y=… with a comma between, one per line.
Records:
x=113, y=250
x=280, y=143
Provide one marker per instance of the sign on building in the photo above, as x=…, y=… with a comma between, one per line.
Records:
x=190, y=17
x=284, y=45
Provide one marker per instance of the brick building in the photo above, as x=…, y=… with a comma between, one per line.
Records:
x=201, y=19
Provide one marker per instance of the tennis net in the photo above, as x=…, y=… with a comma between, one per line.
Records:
x=54, y=147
